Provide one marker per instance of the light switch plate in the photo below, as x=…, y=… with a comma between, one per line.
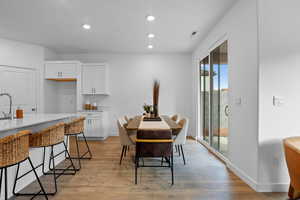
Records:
x=238, y=101
x=278, y=101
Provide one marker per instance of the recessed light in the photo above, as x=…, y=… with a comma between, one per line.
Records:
x=86, y=26
x=151, y=35
x=150, y=18
x=150, y=46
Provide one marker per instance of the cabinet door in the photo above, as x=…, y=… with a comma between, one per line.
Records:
x=21, y=85
x=94, y=79
x=61, y=70
x=88, y=77
x=93, y=127
x=100, y=81
x=97, y=127
x=88, y=128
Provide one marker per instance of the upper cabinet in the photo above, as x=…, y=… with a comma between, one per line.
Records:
x=95, y=79
x=62, y=70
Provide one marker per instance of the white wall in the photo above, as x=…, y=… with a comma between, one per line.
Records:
x=131, y=78
x=23, y=55
x=279, y=76
x=239, y=27
x=49, y=88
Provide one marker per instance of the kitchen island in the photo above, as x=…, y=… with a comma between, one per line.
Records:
x=34, y=123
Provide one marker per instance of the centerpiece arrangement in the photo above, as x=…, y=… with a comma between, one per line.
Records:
x=154, y=116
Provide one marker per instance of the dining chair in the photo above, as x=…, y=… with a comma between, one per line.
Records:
x=292, y=155
x=181, y=137
x=125, y=140
x=154, y=144
x=174, y=117
x=126, y=118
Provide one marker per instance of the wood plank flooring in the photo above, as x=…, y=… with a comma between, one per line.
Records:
x=203, y=178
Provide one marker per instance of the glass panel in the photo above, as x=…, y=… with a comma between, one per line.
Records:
x=204, y=95
x=219, y=98
x=224, y=97
x=215, y=99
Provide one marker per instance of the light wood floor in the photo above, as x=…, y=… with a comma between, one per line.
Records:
x=203, y=178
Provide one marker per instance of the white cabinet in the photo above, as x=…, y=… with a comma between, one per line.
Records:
x=95, y=125
x=21, y=85
x=95, y=79
x=62, y=69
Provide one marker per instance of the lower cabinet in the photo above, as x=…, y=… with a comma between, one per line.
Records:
x=95, y=126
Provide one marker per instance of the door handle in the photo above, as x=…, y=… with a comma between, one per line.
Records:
x=226, y=110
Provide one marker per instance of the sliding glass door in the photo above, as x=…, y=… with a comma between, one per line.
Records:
x=214, y=98
x=204, y=95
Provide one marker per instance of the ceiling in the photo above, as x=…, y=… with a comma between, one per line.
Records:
x=117, y=25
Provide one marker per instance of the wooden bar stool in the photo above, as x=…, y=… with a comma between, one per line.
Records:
x=50, y=137
x=76, y=128
x=14, y=150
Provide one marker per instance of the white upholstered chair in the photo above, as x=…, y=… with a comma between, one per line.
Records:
x=125, y=140
x=174, y=117
x=126, y=118
x=181, y=137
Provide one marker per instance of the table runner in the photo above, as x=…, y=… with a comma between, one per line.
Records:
x=154, y=125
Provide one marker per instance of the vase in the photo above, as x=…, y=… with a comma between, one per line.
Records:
x=155, y=110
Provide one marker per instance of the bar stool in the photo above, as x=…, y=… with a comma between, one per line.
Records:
x=49, y=137
x=14, y=150
x=76, y=128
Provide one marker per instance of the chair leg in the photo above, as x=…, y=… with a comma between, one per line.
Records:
x=178, y=147
x=136, y=167
x=172, y=168
x=123, y=149
x=182, y=154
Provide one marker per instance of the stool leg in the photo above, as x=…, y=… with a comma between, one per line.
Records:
x=78, y=154
x=43, y=164
x=67, y=143
x=67, y=152
x=54, y=171
x=87, y=146
x=1, y=179
x=37, y=177
x=16, y=178
x=5, y=178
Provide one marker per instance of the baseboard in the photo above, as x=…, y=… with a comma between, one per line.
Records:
x=274, y=187
x=237, y=171
x=242, y=175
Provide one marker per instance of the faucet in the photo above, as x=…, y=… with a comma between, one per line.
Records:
x=7, y=115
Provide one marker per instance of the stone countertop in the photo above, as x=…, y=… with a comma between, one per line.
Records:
x=31, y=120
